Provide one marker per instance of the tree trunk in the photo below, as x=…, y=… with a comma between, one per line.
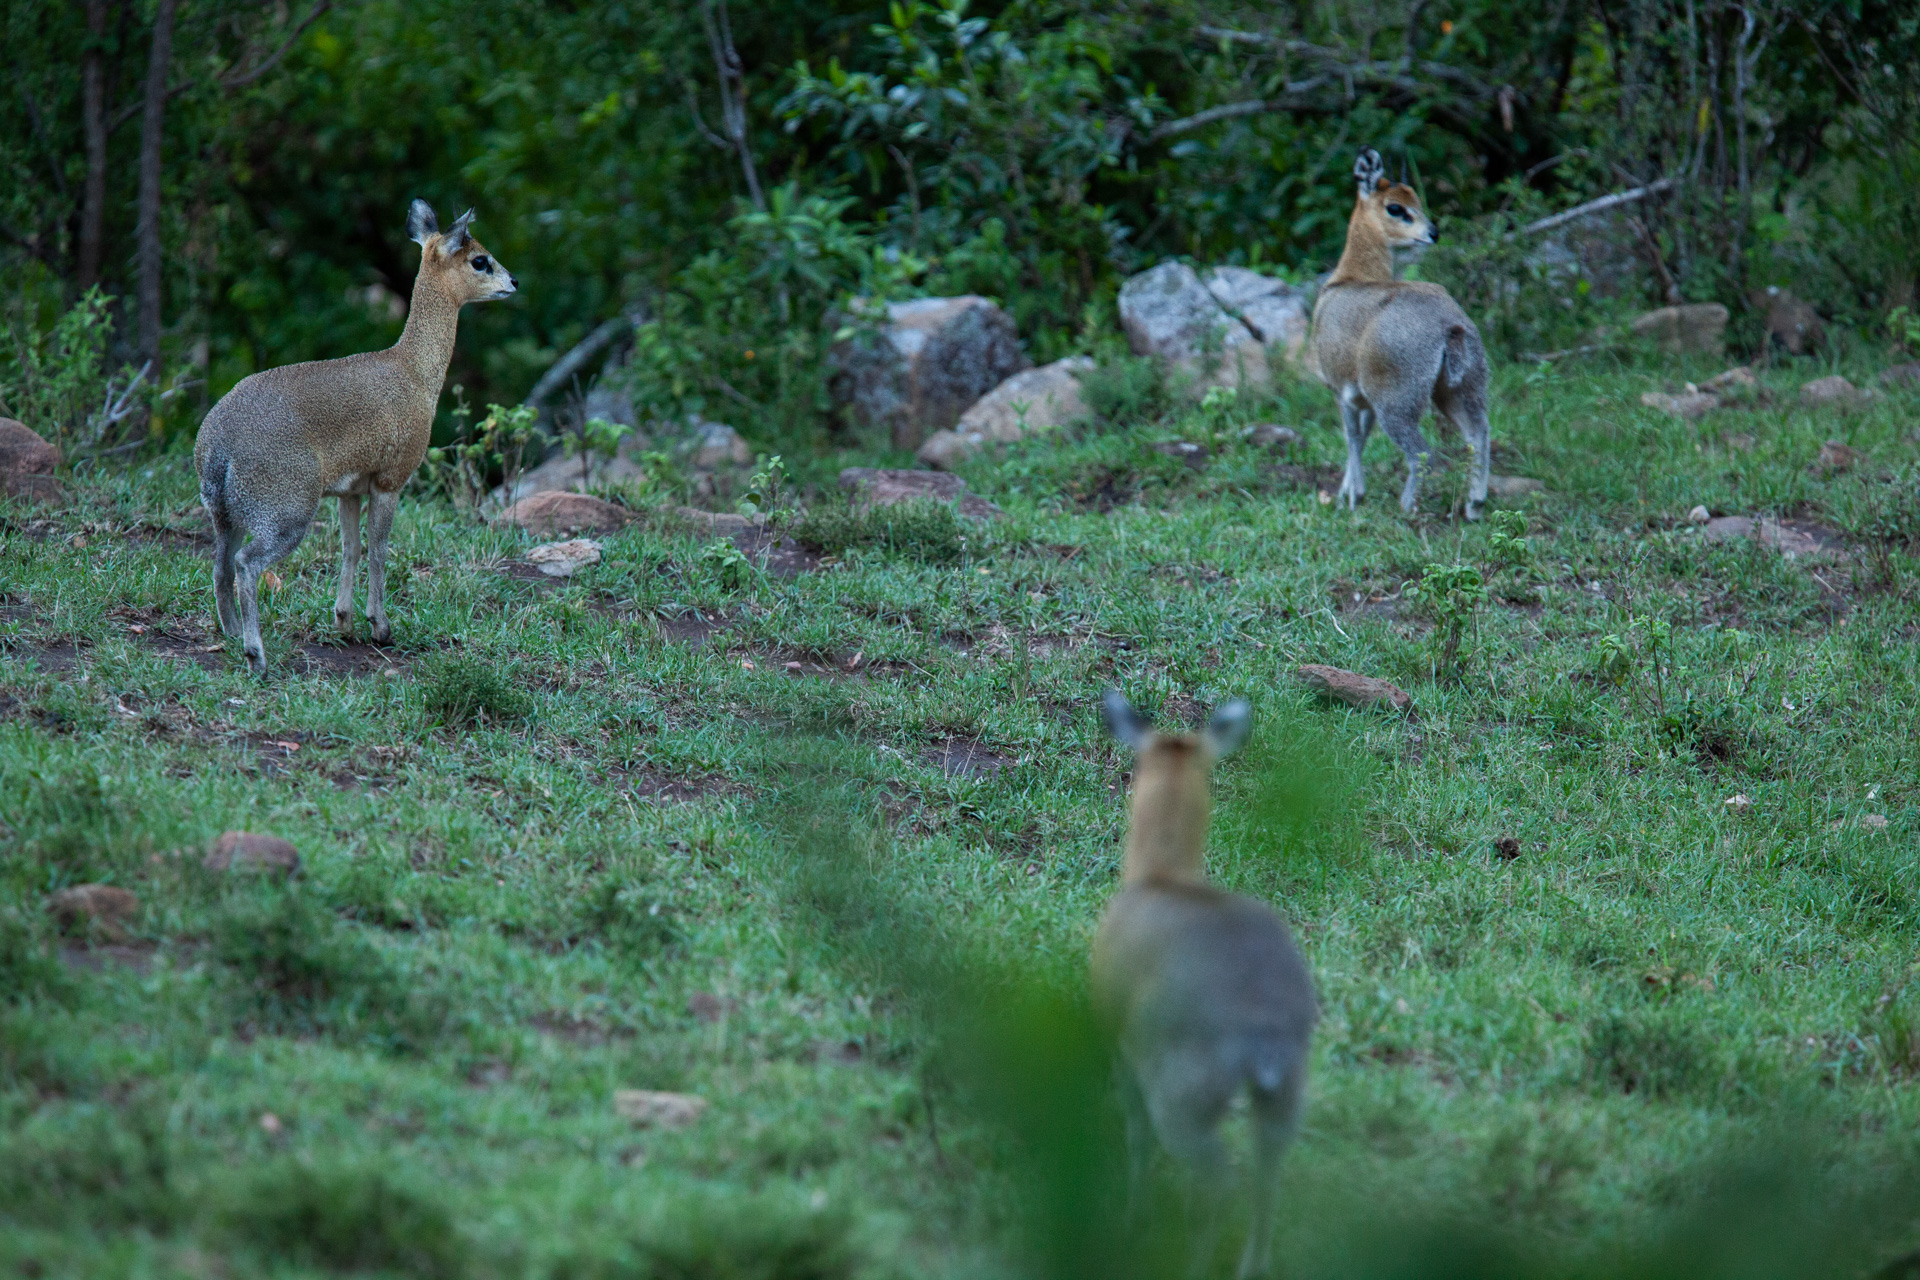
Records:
x=148, y=233
x=93, y=111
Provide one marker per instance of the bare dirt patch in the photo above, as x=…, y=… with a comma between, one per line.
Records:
x=964, y=758
x=345, y=658
x=654, y=787
x=693, y=628
x=183, y=643
x=55, y=658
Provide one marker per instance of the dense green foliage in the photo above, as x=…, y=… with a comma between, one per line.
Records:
x=1581, y=1016
x=1035, y=151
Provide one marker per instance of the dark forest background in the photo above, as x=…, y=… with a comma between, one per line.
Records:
x=217, y=186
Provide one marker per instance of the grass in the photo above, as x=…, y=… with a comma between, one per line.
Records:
x=550, y=850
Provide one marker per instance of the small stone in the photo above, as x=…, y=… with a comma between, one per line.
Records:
x=1194, y=455
x=1353, y=688
x=1795, y=541
x=1835, y=456
x=270, y=1124
x=1833, y=392
x=247, y=850
x=1739, y=804
x=1874, y=822
x=1699, y=515
x=1791, y=323
x=564, y=559
x=557, y=511
x=1902, y=375
x=706, y=1006
x=1740, y=376
x=1688, y=405
x=1514, y=486
x=105, y=906
x=1507, y=847
x=879, y=487
x=719, y=445
x=1270, y=435
x=27, y=463
x=1030, y=401
x=658, y=1109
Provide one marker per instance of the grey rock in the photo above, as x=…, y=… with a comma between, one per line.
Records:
x=27, y=463
x=1688, y=404
x=1691, y=329
x=1833, y=392
x=715, y=445
x=1031, y=400
x=559, y=511
x=1273, y=436
x=879, y=487
x=247, y=850
x=1168, y=313
x=924, y=366
x=1514, y=486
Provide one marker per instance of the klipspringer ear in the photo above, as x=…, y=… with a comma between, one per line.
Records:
x=422, y=223
x=1123, y=722
x=456, y=238
x=1369, y=170
x=1227, y=727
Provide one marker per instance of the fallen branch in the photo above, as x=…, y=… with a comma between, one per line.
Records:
x=1599, y=206
x=1548, y=357
x=584, y=350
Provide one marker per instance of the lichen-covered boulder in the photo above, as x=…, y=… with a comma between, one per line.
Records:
x=1031, y=400
x=1167, y=312
x=1274, y=311
x=922, y=368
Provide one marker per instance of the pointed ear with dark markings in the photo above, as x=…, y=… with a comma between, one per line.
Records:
x=1369, y=171
x=1227, y=728
x=1123, y=722
x=456, y=238
x=422, y=223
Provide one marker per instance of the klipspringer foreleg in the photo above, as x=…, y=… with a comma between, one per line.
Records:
x=349, y=562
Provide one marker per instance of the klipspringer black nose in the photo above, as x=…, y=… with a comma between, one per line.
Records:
x=1433, y=234
x=514, y=281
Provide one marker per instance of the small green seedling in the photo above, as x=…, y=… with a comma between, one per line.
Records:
x=1508, y=544
x=729, y=563
x=1453, y=594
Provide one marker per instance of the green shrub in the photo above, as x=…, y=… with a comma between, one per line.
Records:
x=925, y=530
x=1128, y=389
x=347, y=1217
x=462, y=689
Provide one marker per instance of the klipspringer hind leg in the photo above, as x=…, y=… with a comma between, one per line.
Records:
x=380, y=513
x=272, y=542
x=349, y=562
x=1469, y=413
x=1276, y=1118
x=226, y=544
x=1402, y=425
x=1358, y=421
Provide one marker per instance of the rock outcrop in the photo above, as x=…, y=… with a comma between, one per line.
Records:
x=558, y=511
x=924, y=367
x=1168, y=313
x=1030, y=401
x=1692, y=329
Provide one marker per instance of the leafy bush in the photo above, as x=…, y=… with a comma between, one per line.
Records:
x=925, y=530
x=462, y=689
x=1126, y=390
x=346, y=1216
x=58, y=382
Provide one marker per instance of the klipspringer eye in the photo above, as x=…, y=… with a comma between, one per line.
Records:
x=480, y=263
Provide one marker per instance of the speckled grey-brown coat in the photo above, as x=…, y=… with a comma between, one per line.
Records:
x=1389, y=348
x=1204, y=990
x=348, y=428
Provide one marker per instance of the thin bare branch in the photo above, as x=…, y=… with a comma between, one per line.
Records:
x=1296, y=100
x=232, y=80
x=584, y=350
x=1599, y=206
x=733, y=91
x=243, y=79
